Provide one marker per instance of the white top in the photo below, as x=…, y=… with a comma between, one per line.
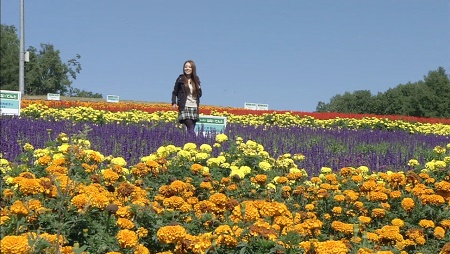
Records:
x=191, y=100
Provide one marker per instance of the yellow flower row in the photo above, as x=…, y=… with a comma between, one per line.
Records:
x=82, y=113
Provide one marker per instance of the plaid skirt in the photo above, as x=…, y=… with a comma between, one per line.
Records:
x=188, y=113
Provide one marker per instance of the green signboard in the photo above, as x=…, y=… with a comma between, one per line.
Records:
x=10, y=102
x=212, y=124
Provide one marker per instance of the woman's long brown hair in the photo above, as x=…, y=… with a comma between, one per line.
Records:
x=195, y=79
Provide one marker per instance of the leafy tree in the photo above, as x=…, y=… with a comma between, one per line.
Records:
x=44, y=73
x=9, y=55
x=427, y=98
x=75, y=92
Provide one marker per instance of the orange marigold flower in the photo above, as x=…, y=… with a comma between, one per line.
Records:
x=337, y=210
x=29, y=186
x=342, y=227
x=365, y=219
x=378, y=212
x=124, y=223
x=377, y=196
x=398, y=222
x=442, y=186
x=331, y=247
x=357, y=178
x=408, y=204
x=142, y=232
x=110, y=176
x=15, y=244
x=395, y=194
x=171, y=234
x=261, y=179
x=19, y=208
x=432, y=199
x=196, y=168
x=445, y=224
x=141, y=169
x=439, y=233
x=127, y=238
x=426, y=223
x=218, y=199
x=8, y=194
x=391, y=233
x=339, y=198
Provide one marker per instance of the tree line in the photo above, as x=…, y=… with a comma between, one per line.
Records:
x=44, y=73
x=429, y=97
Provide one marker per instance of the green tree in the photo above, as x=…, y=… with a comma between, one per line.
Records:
x=9, y=55
x=46, y=73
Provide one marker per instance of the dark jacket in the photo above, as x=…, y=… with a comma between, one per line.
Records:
x=179, y=94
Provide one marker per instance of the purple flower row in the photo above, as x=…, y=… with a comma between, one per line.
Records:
x=335, y=148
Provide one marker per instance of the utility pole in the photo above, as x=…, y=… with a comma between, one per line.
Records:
x=22, y=51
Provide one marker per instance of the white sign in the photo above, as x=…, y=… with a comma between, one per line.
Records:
x=53, y=96
x=208, y=123
x=250, y=105
x=112, y=98
x=256, y=106
x=262, y=106
x=10, y=102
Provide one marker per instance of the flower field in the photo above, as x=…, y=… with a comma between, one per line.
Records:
x=125, y=178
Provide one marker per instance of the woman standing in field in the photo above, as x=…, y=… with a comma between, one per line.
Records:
x=186, y=95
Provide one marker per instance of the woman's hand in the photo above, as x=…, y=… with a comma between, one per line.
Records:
x=174, y=106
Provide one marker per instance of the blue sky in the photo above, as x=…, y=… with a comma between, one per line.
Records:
x=289, y=54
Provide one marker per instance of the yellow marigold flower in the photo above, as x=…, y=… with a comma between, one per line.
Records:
x=439, y=232
x=264, y=165
x=426, y=223
x=171, y=234
x=408, y=204
x=220, y=138
x=28, y=147
x=439, y=150
x=127, y=238
x=298, y=157
x=206, y=148
x=245, y=169
x=325, y=170
x=238, y=173
x=124, y=223
x=413, y=163
x=4, y=166
x=13, y=244
x=120, y=161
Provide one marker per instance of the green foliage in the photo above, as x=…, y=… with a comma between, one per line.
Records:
x=9, y=55
x=427, y=98
x=44, y=73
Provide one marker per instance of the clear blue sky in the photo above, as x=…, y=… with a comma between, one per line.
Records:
x=289, y=54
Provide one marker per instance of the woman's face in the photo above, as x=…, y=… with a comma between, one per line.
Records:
x=187, y=68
